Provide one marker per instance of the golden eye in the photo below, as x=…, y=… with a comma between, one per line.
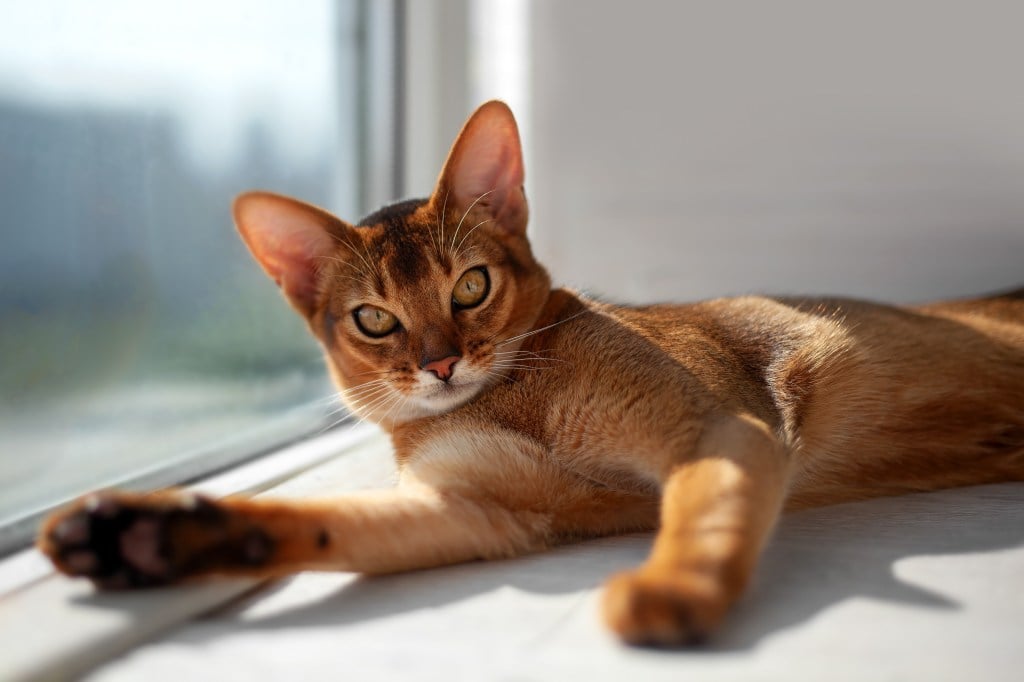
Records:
x=374, y=321
x=472, y=288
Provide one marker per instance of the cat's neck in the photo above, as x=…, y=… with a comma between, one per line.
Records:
x=561, y=304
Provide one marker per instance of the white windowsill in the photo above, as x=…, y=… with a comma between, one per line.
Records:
x=918, y=587
x=55, y=628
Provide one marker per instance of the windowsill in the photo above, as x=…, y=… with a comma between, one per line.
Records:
x=217, y=426
x=72, y=628
x=916, y=587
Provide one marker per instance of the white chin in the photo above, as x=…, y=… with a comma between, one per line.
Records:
x=446, y=397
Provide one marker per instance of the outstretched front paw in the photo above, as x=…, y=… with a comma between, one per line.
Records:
x=124, y=540
x=663, y=609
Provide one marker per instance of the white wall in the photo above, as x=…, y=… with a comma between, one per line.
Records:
x=696, y=148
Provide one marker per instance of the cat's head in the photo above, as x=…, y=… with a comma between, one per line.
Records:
x=415, y=305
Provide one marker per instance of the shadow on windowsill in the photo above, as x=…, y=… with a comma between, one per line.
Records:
x=817, y=558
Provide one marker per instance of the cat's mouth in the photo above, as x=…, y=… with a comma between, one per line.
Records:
x=446, y=396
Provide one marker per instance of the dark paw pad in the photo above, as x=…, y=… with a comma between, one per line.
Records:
x=120, y=540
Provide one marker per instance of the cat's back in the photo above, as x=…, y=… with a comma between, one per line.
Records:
x=872, y=398
x=757, y=331
x=1000, y=315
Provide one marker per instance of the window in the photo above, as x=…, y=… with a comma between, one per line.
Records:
x=140, y=344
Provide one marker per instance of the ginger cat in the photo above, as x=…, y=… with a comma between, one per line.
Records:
x=524, y=416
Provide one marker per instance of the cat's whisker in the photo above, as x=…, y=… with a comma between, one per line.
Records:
x=393, y=399
x=377, y=404
x=500, y=376
x=538, y=331
x=362, y=388
x=371, y=404
x=364, y=256
x=368, y=386
x=359, y=395
x=526, y=355
x=360, y=275
x=371, y=382
x=459, y=226
x=362, y=281
x=355, y=267
x=324, y=400
x=525, y=362
x=335, y=259
x=467, y=252
x=512, y=370
x=336, y=399
x=380, y=381
x=529, y=358
x=458, y=250
x=523, y=357
x=337, y=410
x=400, y=404
x=347, y=416
x=367, y=401
x=525, y=368
x=327, y=404
x=374, y=371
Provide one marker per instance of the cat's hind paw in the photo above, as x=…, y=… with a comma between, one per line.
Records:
x=663, y=609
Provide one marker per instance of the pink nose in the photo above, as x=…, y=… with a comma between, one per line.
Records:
x=444, y=368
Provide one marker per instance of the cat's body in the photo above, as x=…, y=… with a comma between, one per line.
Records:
x=868, y=399
x=524, y=416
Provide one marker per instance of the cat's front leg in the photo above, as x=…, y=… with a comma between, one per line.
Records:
x=718, y=509
x=125, y=540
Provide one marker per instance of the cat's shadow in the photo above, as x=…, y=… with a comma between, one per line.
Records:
x=821, y=557
x=816, y=559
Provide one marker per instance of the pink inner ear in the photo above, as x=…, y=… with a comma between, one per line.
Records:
x=296, y=264
x=288, y=239
x=496, y=169
x=487, y=162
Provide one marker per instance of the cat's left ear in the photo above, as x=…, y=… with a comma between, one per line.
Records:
x=484, y=171
x=290, y=240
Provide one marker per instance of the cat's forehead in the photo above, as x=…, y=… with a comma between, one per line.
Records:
x=398, y=238
x=411, y=245
x=400, y=213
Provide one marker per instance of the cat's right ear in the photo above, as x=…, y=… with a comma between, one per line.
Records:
x=484, y=171
x=290, y=240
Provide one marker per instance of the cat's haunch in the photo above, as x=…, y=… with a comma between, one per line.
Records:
x=524, y=416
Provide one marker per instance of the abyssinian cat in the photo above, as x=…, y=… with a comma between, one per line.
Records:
x=524, y=416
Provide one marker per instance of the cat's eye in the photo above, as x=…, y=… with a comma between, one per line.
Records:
x=374, y=321
x=471, y=289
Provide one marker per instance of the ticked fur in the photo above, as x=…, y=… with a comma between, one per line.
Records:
x=564, y=417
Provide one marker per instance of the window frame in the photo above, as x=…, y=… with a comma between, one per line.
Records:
x=379, y=78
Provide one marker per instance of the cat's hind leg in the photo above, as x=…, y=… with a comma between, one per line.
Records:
x=718, y=509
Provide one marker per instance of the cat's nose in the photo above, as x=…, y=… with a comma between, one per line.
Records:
x=443, y=368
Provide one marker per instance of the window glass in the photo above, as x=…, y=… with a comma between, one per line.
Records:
x=135, y=330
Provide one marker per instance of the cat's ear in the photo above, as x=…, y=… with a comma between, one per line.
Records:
x=290, y=239
x=484, y=170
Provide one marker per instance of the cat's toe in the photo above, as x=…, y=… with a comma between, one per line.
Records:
x=663, y=610
x=119, y=540
x=65, y=540
x=72, y=530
